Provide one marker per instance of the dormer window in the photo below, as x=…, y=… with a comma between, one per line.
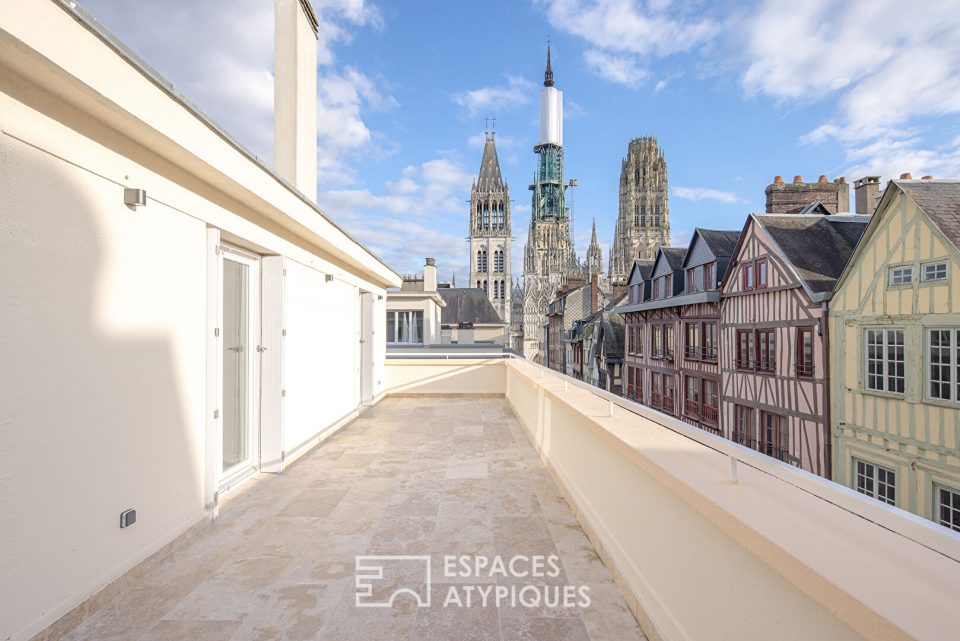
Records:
x=708, y=276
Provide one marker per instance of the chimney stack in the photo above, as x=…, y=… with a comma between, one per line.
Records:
x=866, y=190
x=430, y=275
x=295, y=94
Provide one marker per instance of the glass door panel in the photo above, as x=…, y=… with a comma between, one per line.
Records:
x=236, y=370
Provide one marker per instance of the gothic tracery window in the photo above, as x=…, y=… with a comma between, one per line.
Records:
x=482, y=260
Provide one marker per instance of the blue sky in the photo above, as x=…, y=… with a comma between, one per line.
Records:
x=736, y=92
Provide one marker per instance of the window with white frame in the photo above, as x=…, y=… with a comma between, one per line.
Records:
x=875, y=481
x=884, y=360
x=404, y=326
x=932, y=272
x=942, y=363
x=947, y=507
x=902, y=275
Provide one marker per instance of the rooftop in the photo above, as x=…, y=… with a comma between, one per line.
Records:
x=467, y=305
x=413, y=475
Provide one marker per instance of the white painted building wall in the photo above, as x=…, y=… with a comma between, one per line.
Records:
x=107, y=341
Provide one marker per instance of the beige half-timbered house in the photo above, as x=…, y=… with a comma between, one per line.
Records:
x=895, y=354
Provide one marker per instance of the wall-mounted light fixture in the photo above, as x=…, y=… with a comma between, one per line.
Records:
x=134, y=197
x=328, y=278
x=819, y=328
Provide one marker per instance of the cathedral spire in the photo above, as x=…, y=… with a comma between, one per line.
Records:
x=593, y=239
x=548, y=74
x=490, y=176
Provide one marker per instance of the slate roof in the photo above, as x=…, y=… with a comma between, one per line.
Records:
x=940, y=201
x=490, y=177
x=645, y=267
x=721, y=243
x=674, y=256
x=818, y=247
x=613, y=335
x=467, y=305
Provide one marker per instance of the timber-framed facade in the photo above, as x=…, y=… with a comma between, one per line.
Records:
x=773, y=336
x=895, y=328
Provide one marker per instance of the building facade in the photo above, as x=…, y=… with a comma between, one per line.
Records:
x=673, y=334
x=894, y=331
x=643, y=222
x=652, y=326
x=549, y=257
x=414, y=311
x=773, y=339
x=490, y=232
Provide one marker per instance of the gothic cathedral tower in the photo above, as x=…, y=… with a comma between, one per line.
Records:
x=490, y=232
x=549, y=258
x=643, y=224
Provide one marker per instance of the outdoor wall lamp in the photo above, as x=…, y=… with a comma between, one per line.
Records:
x=134, y=197
x=819, y=328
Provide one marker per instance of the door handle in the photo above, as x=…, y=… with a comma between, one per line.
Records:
x=238, y=348
x=261, y=348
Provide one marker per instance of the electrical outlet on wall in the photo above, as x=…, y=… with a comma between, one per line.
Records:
x=128, y=518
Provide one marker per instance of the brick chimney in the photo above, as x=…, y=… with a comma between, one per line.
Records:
x=430, y=275
x=791, y=198
x=295, y=94
x=866, y=191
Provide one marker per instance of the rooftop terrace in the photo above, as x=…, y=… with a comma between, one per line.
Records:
x=413, y=476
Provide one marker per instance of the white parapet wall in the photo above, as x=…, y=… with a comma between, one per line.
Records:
x=445, y=376
x=778, y=554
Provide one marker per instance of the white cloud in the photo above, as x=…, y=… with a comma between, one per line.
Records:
x=704, y=193
x=401, y=224
x=223, y=61
x=662, y=29
x=491, y=100
x=341, y=130
x=620, y=69
x=623, y=34
x=890, y=67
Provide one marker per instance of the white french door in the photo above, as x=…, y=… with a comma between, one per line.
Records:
x=239, y=451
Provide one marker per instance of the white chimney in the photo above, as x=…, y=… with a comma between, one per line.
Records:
x=430, y=275
x=295, y=94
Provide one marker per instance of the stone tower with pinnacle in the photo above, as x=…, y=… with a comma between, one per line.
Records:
x=643, y=223
x=490, y=232
x=549, y=257
x=594, y=262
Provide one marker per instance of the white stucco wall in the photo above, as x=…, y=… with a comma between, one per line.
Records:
x=322, y=354
x=104, y=374
x=102, y=381
x=404, y=301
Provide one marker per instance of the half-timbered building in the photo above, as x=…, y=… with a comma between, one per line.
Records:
x=773, y=340
x=656, y=378
x=704, y=266
x=634, y=363
x=895, y=354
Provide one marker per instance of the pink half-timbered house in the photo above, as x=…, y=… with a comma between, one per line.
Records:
x=774, y=335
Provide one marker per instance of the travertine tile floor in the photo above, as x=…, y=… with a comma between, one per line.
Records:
x=413, y=476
